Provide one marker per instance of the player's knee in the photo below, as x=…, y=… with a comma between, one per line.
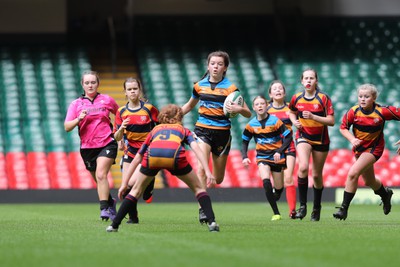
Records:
x=201, y=172
x=101, y=176
x=303, y=169
x=352, y=175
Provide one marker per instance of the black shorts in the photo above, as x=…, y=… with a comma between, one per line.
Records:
x=176, y=172
x=90, y=155
x=219, y=140
x=293, y=154
x=274, y=167
x=126, y=159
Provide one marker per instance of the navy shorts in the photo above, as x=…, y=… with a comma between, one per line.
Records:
x=176, y=172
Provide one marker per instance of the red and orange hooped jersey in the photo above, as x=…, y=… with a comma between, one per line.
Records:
x=312, y=131
x=211, y=101
x=164, y=147
x=142, y=121
x=368, y=127
x=283, y=114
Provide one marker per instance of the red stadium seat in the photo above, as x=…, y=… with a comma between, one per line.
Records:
x=173, y=181
x=37, y=170
x=239, y=174
x=81, y=178
x=16, y=170
x=58, y=169
x=3, y=173
x=254, y=176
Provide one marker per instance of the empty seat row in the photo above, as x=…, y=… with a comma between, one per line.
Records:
x=40, y=170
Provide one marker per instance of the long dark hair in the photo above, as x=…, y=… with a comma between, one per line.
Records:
x=222, y=54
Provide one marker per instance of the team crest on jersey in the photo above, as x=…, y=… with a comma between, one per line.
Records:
x=376, y=120
x=316, y=106
x=102, y=101
x=143, y=118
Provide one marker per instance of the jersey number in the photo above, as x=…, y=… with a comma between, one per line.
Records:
x=164, y=135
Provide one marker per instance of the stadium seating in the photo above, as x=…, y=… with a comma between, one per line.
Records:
x=81, y=178
x=38, y=83
x=363, y=50
x=3, y=173
x=38, y=174
x=36, y=86
x=60, y=177
x=16, y=170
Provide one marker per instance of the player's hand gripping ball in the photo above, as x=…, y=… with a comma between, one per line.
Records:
x=236, y=98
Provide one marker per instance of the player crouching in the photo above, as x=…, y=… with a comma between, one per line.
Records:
x=163, y=149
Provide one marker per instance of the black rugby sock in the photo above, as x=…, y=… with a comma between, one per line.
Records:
x=303, y=189
x=205, y=204
x=270, y=195
x=129, y=205
x=317, y=197
x=347, y=198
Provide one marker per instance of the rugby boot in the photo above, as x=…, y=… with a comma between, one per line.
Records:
x=301, y=212
x=341, y=214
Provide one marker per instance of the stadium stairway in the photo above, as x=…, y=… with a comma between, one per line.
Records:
x=111, y=83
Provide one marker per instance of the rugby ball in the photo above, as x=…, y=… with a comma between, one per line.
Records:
x=234, y=97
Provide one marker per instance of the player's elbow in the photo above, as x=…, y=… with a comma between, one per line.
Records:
x=67, y=128
x=331, y=121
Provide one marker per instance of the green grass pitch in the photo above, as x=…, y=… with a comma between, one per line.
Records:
x=169, y=234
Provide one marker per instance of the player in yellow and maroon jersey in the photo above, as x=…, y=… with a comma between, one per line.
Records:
x=133, y=122
x=213, y=127
x=367, y=120
x=164, y=149
x=311, y=111
x=279, y=108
